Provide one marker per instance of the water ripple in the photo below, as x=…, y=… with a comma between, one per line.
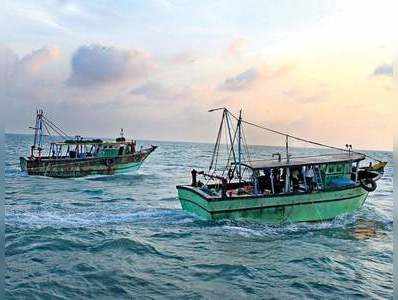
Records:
x=125, y=236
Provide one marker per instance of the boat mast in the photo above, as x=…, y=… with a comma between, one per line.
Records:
x=287, y=148
x=217, y=143
x=225, y=118
x=231, y=141
x=239, y=146
x=38, y=139
x=287, y=179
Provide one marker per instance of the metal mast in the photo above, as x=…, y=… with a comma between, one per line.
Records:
x=217, y=144
x=287, y=149
x=240, y=146
x=38, y=140
x=231, y=141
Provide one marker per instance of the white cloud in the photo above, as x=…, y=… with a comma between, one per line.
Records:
x=155, y=91
x=96, y=64
x=23, y=72
x=240, y=81
x=384, y=70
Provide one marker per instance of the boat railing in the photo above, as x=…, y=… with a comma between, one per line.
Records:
x=223, y=180
x=303, y=156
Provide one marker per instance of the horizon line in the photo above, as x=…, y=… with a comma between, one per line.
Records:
x=209, y=142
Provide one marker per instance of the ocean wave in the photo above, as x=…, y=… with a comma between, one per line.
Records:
x=125, y=236
x=132, y=246
x=84, y=219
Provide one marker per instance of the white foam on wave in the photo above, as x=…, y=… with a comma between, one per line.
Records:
x=86, y=219
x=243, y=231
x=253, y=229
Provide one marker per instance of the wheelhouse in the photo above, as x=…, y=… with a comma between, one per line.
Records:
x=80, y=148
x=292, y=176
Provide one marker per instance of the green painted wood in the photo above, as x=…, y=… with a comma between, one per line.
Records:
x=317, y=206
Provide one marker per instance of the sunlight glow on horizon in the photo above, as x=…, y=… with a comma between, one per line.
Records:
x=324, y=70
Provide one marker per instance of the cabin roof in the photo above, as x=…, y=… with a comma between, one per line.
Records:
x=90, y=142
x=304, y=161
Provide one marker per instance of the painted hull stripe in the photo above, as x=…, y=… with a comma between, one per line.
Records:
x=271, y=206
x=216, y=199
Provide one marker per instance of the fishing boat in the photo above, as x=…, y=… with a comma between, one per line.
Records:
x=280, y=187
x=78, y=157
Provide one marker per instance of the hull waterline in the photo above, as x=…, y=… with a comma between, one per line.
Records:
x=74, y=168
x=306, y=207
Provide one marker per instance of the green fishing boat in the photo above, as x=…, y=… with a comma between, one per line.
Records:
x=279, y=188
x=78, y=157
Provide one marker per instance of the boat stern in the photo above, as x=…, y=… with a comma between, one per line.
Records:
x=192, y=202
x=23, y=162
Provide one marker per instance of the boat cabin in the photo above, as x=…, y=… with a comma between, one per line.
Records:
x=81, y=148
x=299, y=175
x=303, y=174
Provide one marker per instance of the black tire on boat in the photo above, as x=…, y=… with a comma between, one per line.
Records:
x=368, y=184
x=109, y=162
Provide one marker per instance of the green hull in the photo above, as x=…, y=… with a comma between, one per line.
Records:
x=306, y=207
x=69, y=168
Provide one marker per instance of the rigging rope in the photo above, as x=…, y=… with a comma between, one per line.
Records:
x=54, y=129
x=216, y=146
x=300, y=139
x=48, y=131
x=59, y=130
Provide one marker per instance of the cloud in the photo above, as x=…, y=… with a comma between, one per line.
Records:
x=240, y=81
x=34, y=61
x=253, y=75
x=186, y=57
x=28, y=65
x=155, y=91
x=237, y=46
x=27, y=82
x=314, y=94
x=8, y=59
x=384, y=70
x=19, y=74
x=96, y=64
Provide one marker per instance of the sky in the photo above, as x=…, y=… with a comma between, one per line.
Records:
x=322, y=70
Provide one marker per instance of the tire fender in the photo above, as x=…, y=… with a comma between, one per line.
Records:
x=109, y=162
x=368, y=184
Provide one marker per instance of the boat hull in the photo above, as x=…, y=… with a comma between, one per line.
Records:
x=306, y=207
x=80, y=167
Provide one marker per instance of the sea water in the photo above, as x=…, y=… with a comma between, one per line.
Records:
x=125, y=236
